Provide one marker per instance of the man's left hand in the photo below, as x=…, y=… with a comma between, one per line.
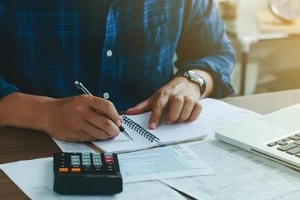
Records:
x=178, y=100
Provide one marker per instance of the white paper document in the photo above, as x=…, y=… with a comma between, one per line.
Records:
x=239, y=175
x=35, y=179
x=161, y=163
x=73, y=146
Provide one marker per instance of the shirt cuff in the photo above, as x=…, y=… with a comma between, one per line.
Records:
x=221, y=88
x=6, y=88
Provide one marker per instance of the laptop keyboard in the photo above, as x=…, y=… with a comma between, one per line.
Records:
x=290, y=145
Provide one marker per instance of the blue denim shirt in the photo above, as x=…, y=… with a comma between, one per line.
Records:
x=121, y=49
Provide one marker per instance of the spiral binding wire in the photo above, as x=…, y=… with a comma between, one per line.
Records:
x=139, y=129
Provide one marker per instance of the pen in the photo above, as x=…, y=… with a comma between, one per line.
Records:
x=83, y=89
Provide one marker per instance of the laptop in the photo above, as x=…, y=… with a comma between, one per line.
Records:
x=275, y=135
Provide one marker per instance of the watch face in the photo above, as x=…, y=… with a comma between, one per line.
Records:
x=286, y=10
x=193, y=76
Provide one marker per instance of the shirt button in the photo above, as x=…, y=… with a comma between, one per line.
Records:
x=109, y=53
x=106, y=95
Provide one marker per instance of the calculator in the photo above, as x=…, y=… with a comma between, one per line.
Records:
x=87, y=173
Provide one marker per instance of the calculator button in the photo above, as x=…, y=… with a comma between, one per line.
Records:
x=110, y=168
x=98, y=169
x=97, y=165
x=97, y=162
x=75, y=163
x=86, y=168
x=76, y=170
x=86, y=163
x=76, y=157
x=97, y=155
x=63, y=169
x=75, y=160
x=109, y=159
x=108, y=156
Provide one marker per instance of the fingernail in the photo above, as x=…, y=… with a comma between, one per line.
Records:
x=152, y=125
x=168, y=122
x=119, y=122
x=128, y=111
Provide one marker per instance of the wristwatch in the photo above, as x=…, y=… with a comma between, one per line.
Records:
x=195, y=78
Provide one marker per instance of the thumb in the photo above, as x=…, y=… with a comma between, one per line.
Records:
x=142, y=107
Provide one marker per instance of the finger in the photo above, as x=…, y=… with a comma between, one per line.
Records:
x=101, y=124
x=187, y=109
x=195, y=112
x=106, y=108
x=95, y=132
x=157, y=112
x=142, y=107
x=175, y=108
x=78, y=136
x=84, y=137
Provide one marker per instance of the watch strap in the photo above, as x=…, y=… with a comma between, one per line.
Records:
x=195, y=78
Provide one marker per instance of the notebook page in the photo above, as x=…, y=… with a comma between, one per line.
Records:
x=171, y=133
x=167, y=134
x=121, y=143
x=215, y=113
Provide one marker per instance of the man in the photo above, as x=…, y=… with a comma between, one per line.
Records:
x=121, y=50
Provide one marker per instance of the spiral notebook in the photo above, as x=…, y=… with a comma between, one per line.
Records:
x=144, y=138
x=215, y=113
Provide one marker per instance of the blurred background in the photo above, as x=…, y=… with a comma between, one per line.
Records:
x=268, y=48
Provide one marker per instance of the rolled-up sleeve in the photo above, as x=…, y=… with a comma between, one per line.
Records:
x=6, y=88
x=204, y=45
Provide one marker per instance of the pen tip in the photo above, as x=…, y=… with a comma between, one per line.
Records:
x=76, y=82
x=121, y=128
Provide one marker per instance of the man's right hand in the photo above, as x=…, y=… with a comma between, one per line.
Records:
x=78, y=118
